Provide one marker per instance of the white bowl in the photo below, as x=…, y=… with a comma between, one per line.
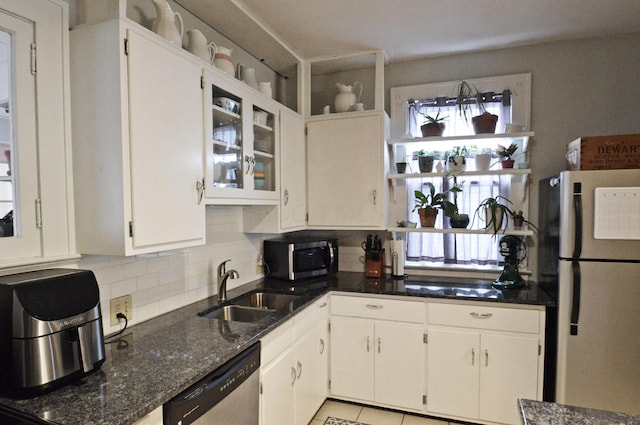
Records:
x=228, y=104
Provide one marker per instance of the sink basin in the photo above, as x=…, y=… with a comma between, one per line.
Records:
x=266, y=300
x=251, y=307
x=238, y=313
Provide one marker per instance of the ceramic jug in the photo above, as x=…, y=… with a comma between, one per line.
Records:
x=248, y=75
x=265, y=88
x=167, y=22
x=196, y=43
x=346, y=97
x=222, y=58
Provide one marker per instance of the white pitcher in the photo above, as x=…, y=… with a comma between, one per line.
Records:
x=196, y=43
x=265, y=88
x=346, y=98
x=166, y=22
x=222, y=58
x=248, y=75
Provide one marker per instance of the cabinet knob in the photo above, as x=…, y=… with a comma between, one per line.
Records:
x=286, y=196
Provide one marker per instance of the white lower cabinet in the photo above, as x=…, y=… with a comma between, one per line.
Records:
x=481, y=360
x=375, y=360
x=290, y=371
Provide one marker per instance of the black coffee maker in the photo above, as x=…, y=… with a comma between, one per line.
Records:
x=50, y=329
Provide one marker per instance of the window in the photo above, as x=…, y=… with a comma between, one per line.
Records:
x=459, y=249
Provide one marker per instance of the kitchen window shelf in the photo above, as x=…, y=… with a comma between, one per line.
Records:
x=498, y=138
x=506, y=171
x=459, y=231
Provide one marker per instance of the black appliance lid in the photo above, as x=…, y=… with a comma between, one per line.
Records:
x=54, y=294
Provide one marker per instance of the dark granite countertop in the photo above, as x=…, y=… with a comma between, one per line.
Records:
x=545, y=413
x=157, y=359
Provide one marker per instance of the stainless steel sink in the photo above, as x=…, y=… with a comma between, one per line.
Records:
x=251, y=307
x=266, y=300
x=238, y=313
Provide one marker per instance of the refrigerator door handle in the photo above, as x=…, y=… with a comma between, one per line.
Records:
x=577, y=214
x=575, y=302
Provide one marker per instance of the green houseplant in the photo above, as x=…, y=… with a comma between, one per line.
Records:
x=429, y=203
x=493, y=212
x=519, y=220
x=485, y=122
x=457, y=160
x=434, y=126
x=425, y=161
x=458, y=220
x=506, y=154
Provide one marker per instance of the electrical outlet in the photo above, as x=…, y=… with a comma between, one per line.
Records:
x=121, y=305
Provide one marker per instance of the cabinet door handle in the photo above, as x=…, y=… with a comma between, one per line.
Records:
x=286, y=196
x=299, y=366
x=321, y=346
x=481, y=315
x=375, y=306
x=367, y=344
x=486, y=358
x=379, y=342
x=473, y=357
x=323, y=305
x=200, y=190
x=375, y=197
x=293, y=376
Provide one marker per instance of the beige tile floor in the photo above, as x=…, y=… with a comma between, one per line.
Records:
x=368, y=415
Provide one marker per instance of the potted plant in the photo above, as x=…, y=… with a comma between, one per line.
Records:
x=458, y=220
x=506, y=154
x=434, y=125
x=425, y=161
x=493, y=212
x=457, y=158
x=483, y=123
x=401, y=166
x=519, y=220
x=428, y=204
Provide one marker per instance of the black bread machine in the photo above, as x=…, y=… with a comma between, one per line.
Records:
x=50, y=329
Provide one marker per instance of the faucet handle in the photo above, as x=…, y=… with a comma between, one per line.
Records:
x=222, y=268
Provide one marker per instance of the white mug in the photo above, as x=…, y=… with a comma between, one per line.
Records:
x=326, y=109
x=359, y=106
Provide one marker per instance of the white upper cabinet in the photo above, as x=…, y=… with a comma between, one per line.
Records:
x=36, y=204
x=346, y=160
x=137, y=141
x=241, y=147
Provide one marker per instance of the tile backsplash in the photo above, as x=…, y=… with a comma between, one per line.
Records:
x=164, y=281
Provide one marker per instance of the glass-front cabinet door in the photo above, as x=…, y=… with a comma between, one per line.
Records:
x=264, y=150
x=226, y=149
x=241, y=143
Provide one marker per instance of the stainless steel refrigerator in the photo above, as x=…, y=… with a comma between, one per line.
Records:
x=589, y=260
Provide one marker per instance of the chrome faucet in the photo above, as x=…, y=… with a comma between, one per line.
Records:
x=223, y=275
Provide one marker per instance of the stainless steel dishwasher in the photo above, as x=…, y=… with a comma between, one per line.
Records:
x=227, y=396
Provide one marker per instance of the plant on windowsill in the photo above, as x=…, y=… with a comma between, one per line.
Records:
x=429, y=203
x=425, y=161
x=458, y=220
x=493, y=213
x=457, y=160
x=506, y=154
x=485, y=122
x=434, y=126
x=519, y=221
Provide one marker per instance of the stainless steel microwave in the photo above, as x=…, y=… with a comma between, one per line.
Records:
x=295, y=259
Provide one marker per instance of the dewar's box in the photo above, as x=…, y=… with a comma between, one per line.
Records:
x=604, y=153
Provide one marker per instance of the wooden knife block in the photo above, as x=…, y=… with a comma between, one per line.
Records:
x=374, y=264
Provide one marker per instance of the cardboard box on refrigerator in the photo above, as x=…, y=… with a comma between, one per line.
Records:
x=604, y=153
